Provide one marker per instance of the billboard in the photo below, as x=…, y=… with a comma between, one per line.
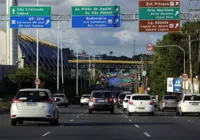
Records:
x=177, y=85
x=170, y=87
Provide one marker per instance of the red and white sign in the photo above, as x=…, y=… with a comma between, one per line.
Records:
x=149, y=47
x=37, y=81
x=184, y=77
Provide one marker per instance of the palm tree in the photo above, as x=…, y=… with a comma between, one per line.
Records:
x=111, y=53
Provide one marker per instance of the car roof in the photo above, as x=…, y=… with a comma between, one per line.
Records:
x=34, y=89
x=140, y=94
x=86, y=94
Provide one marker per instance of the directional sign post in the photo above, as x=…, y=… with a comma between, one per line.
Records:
x=95, y=16
x=30, y=17
x=159, y=16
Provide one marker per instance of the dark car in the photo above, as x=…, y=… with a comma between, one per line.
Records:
x=76, y=100
x=120, y=99
x=101, y=101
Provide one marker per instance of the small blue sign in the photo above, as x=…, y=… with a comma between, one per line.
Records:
x=95, y=21
x=30, y=22
x=178, y=83
x=114, y=81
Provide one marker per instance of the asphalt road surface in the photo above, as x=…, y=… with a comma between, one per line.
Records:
x=77, y=124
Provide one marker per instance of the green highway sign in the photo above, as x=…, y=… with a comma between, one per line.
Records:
x=95, y=10
x=30, y=11
x=159, y=13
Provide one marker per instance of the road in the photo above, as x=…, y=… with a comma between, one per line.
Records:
x=77, y=124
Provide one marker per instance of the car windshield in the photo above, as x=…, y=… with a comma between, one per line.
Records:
x=33, y=95
x=141, y=98
x=170, y=97
x=59, y=96
x=192, y=98
x=101, y=95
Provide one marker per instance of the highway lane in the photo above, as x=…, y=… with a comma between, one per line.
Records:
x=77, y=124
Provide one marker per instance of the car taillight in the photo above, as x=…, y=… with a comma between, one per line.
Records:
x=47, y=101
x=152, y=102
x=91, y=99
x=163, y=101
x=110, y=100
x=130, y=102
x=16, y=101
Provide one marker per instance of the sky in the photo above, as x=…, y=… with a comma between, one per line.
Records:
x=94, y=41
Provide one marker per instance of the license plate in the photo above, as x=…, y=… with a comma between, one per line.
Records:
x=31, y=103
x=142, y=108
x=101, y=101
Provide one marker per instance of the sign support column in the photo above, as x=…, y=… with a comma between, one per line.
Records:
x=37, y=53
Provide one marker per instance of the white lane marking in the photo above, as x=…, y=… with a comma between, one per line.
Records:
x=176, y=117
x=126, y=116
x=84, y=112
x=137, y=126
x=147, y=134
x=81, y=113
x=190, y=121
x=46, y=134
x=77, y=116
x=71, y=120
x=62, y=125
x=130, y=120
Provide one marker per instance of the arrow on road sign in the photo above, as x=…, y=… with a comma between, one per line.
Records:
x=13, y=10
x=116, y=10
x=177, y=25
x=177, y=3
x=149, y=47
x=48, y=21
x=177, y=12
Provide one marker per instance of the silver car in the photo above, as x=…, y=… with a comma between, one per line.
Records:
x=168, y=102
x=34, y=105
x=61, y=99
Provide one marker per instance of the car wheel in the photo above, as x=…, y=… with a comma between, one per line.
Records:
x=66, y=105
x=81, y=104
x=124, y=109
x=159, y=109
x=112, y=111
x=128, y=113
x=52, y=122
x=89, y=111
x=13, y=122
x=177, y=113
x=20, y=121
x=118, y=106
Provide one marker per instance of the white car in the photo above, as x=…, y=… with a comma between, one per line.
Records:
x=189, y=103
x=140, y=103
x=61, y=99
x=85, y=99
x=125, y=102
x=34, y=105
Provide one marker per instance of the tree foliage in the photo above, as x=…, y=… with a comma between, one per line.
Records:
x=168, y=62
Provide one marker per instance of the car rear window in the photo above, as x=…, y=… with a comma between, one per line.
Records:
x=170, y=97
x=192, y=98
x=59, y=96
x=152, y=97
x=101, y=94
x=86, y=96
x=33, y=95
x=128, y=97
x=141, y=98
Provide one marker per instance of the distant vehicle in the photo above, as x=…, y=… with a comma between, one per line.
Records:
x=120, y=99
x=34, y=105
x=140, y=103
x=76, y=100
x=154, y=99
x=85, y=99
x=101, y=101
x=61, y=99
x=125, y=102
x=189, y=103
x=168, y=102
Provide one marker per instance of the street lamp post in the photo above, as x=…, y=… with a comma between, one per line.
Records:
x=37, y=53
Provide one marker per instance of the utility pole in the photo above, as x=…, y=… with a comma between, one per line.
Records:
x=190, y=57
x=199, y=58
